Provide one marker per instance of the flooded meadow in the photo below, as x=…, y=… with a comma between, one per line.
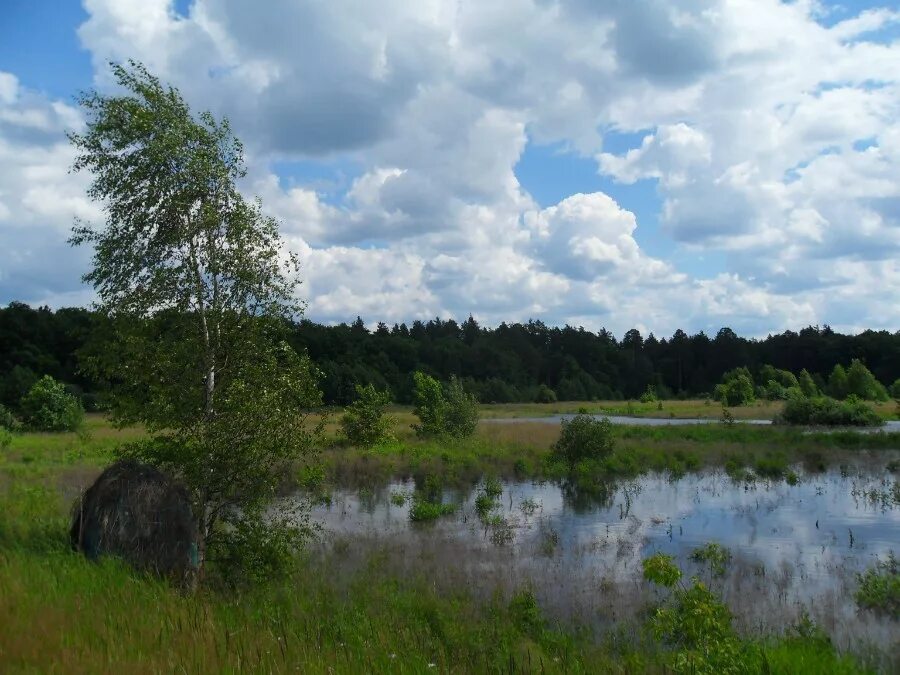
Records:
x=788, y=549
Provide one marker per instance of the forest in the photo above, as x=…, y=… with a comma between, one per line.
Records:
x=515, y=362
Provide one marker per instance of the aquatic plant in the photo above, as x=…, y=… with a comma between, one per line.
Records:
x=423, y=510
x=714, y=555
x=879, y=587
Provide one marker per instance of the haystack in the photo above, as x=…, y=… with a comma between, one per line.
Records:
x=138, y=513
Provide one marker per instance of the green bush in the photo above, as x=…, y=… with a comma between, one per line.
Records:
x=584, y=437
x=431, y=408
x=5, y=438
x=461, y=410
x=826, y=411
x=452, y=413
x=649, y=396
x=365, y=422
x=879, y=587
x=47, y=407
x=546, y=395
x=736, y=388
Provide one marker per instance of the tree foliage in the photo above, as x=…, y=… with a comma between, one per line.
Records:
x=508, y=362
x=194, y=287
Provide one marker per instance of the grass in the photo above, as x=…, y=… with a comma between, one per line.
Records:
x=61, y=613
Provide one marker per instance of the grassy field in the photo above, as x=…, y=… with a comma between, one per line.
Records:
x=60, y=613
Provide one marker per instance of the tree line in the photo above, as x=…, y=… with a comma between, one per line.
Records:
x=513, y=362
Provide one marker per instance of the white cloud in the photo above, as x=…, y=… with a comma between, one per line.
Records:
x=771, y=139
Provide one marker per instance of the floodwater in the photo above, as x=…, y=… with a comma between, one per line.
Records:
x=889, y=426
x=794, y=548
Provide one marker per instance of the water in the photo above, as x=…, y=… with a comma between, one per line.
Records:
x=889, y=426
x=794, y=547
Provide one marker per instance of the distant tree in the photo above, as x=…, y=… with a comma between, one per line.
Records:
x=194, y=287
x=48, y=407
x=16, y=384
x=7, y=419
x=807, y=385
x=895, y=389
x=837, y=382
x=862, y=383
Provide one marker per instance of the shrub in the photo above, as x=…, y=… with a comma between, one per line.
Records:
x=47, y=407
x=694, y=621
x=461, y=416
x=431, y=408
x=5, y=438
x=423, y=510
x=649, y=396
x=826, y=411
x=546, y=395
x=895, y=389
x=879, y=587
x=736, y=388
x=365, y=422
x=453, y=412
x=584, y=437
x=525, y=613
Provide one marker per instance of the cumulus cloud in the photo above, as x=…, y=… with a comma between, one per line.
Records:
x=769, y=136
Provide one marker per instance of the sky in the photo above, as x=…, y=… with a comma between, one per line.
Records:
x=650, y=164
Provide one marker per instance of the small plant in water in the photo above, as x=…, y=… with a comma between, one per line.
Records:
x=879, y=587
x=501, y=531
x=423, y=511
x=714, y=555
x=484, y=504
x=528, y=506
x=493, y=487
x=549, y=542
x=399, y=498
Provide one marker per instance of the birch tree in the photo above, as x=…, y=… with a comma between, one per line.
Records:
x=196, y=288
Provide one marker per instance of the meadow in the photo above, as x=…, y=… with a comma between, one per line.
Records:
x=61, y=613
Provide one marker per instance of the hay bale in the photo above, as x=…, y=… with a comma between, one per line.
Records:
x=140, y=514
